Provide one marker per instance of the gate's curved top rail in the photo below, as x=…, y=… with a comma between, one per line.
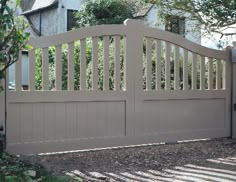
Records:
x=128, y=27
x=82, y=33
x=182, y=42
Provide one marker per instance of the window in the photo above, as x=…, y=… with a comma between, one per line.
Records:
x=70, y=19
x=175, y=24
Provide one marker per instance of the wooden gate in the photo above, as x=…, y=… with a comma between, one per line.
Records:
x=116, y=85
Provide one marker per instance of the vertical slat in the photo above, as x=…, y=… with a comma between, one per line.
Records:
x=176, y=69
x=194, y=71
x=71, y=67
x=14, y=124
x=106, y=63
x=26, y=122
x=60, y=121
x=18, y=73
x=116, y=119
x=167, y=67
x=117, y=62
x=49, y=121
x=83, y=64
x=82, y=119
x=32, y=69
x=102, y=119
x=94, y=63
x=122, y=62
x=92, y=119
x=218, y=74
x=58, y=68
x=38, y=121
x=148, y=64
x=210, y=74
x=45, y=69
x=158, y=64
x=185, y=70
x=125, y=63
x=202, y=73
x=224, y=74
x=71, y=120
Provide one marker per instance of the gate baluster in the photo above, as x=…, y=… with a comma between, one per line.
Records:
x=210, y=73
x=117, y=63
x=71, y=67
x=106, y=63
x=176, y=69
x=218, y=75
x=167, y=67
x=148, y=64
x=58, y=68
x=158, y=64
x=194, y=71
x=32, y=70
x=94, y=63
x=83, y=64
x=202, y=73
x=45, y=69
x=185, y=70
x=18, y=73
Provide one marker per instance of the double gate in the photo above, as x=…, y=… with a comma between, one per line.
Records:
x=116, y=85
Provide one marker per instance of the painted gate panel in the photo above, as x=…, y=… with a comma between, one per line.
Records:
x=181, y=115
x=163, y=88
x=48, y=122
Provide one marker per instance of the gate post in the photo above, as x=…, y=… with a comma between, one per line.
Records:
x=234, y=90
x=134, y=58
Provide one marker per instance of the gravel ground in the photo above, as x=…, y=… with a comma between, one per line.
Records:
x=213, y=160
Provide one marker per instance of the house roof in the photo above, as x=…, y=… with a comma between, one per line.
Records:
x=143, y=11
x=40, y=5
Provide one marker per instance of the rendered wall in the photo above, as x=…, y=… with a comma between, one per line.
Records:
x=152, y=20
x=64, y=5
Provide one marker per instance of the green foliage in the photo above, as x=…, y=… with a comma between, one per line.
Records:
x=12, y=36
x=212, y=15
x=52, y=64
x=103, y=12
x=15, y=169
x=112, y=67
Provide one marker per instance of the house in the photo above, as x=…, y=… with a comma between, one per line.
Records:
x=50, y=17
x=150, y=15
x=41, y=14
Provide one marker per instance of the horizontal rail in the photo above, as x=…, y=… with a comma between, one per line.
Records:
x=82, y=96
x=65, y=96
x=182, y=94
x=103, y=30
x=105, y=142
x=82, y=33
x=184, y=43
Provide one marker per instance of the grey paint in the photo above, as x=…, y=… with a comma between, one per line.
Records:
x=48, y=19
x=48, y=25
